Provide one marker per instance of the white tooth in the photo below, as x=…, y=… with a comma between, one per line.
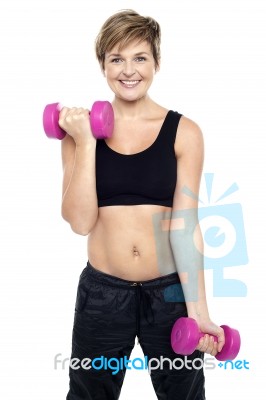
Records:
x=130, y=82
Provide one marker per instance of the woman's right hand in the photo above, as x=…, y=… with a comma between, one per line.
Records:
x=76, y=122
x=206, y=343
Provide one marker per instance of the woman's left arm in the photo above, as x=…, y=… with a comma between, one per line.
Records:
x=185, y=233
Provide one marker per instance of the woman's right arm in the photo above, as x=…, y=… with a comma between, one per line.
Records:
x=79, y=197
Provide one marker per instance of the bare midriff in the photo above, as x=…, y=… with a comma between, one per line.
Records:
x=131, y=242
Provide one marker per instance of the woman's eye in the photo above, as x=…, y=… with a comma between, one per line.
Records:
x=140, y=59
x=116, y=60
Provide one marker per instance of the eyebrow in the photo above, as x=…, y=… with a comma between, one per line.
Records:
x=135, y=55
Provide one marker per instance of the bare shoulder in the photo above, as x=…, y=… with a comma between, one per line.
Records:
x=189, y=137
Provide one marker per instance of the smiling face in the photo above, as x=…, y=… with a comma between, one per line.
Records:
x=130, y=71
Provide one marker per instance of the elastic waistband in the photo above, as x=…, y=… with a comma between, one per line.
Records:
x=112, y=280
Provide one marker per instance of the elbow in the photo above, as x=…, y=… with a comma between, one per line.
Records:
x=80, y=230
x=78, y=225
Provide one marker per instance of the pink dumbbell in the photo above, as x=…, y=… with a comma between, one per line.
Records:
x=101, y=120
x=185, y=337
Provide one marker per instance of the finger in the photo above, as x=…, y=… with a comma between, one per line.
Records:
x=82, y=111
x=72, y=111
x=203, y=343
x=200, y=344
x=71, y=115
x=208, y=345
x=63, y=112
x=215, y=349
x=212, y=349
x=221, y=340
x=62, y=117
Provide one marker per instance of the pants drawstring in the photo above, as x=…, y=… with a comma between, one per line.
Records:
x=143, y=302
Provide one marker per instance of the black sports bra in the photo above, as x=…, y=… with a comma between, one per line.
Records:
x=147, y=177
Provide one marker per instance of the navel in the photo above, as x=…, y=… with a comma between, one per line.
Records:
x=135, y=252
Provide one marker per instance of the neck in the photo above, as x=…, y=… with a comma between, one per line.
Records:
x=132, y=109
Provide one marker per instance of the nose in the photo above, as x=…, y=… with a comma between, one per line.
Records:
x=128, y=68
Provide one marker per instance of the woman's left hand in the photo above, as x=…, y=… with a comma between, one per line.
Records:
x=206, y=343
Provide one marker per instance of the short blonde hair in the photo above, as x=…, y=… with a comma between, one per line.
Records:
x=125, y=27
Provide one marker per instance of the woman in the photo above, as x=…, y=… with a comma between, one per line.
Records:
x=144, y=270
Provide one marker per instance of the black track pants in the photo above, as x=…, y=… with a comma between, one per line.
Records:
x=109, y=313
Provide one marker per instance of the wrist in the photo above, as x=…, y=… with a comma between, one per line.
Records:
x=197, y=311
x=88, y=144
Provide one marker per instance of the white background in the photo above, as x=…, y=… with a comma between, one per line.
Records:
x=213, y=71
